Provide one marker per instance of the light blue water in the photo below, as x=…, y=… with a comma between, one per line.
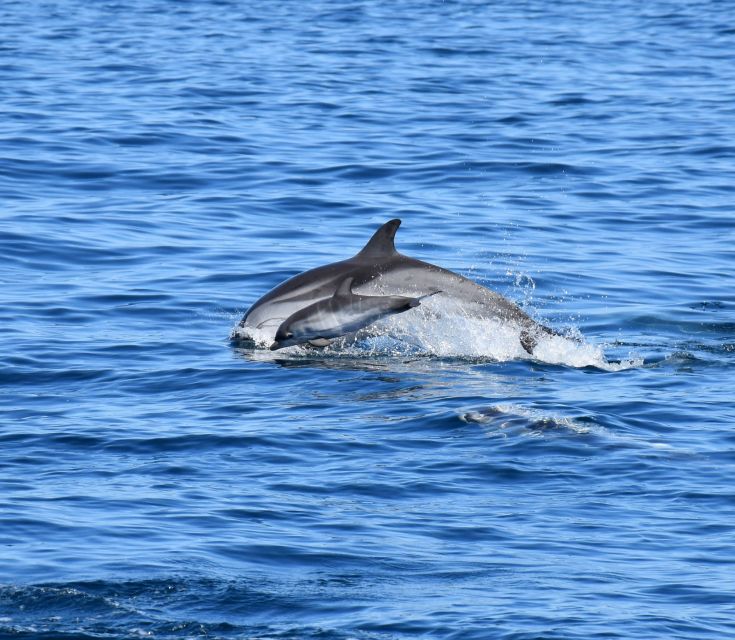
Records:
x=163, y=164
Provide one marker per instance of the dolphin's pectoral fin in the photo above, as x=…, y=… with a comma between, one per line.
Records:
x=381, y=245
x=320, y=342
x=528, y=341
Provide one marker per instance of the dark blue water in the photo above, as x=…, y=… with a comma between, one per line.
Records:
x=163, y=164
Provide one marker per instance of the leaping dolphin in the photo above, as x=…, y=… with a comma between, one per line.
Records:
x=379, y=270
x=345, y=312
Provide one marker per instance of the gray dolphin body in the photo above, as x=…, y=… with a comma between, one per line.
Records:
x=379, y=270
x=345, y=312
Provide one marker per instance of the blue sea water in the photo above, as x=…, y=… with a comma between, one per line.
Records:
x=164, y=164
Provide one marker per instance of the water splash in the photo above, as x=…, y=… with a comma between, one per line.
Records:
x=443, y=329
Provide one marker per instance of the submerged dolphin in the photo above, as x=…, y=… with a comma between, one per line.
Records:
x=380, y=270
x=345, y=312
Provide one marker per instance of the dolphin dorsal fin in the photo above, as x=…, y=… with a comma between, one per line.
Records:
x=344, y=290
x=381, y=244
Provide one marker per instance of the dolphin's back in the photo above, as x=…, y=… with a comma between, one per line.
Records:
x=295, y=293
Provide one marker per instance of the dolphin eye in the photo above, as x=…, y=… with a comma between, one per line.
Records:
x=289, y=335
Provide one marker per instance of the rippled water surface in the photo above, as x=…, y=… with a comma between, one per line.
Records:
x=164, y=164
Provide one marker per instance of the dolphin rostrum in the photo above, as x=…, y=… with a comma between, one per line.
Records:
x=345, y=312
x=379, y=270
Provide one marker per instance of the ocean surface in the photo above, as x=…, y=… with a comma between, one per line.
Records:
x=164, y=164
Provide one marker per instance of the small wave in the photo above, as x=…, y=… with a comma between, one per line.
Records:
x=174, y=607
x=513, y=420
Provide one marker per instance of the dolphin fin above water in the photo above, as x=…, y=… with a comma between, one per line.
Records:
x=344, y=290
x=382, y=243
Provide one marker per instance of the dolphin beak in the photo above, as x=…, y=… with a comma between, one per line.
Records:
x=275, y=346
